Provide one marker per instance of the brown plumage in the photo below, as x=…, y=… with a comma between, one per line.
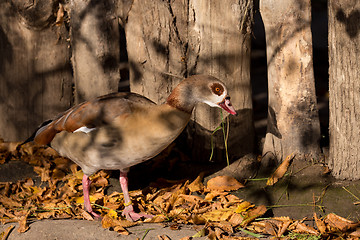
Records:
x=120, y=130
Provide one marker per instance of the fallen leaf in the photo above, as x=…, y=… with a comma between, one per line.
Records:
x=23, y=226
x=243, y=207
x=197, y=185
x=60, y=15
x=303, y=228
x=236, y=219
x=356, y=233
x=340, y=223
x=223, y=183
x=121, y=230
x=280, y=171
x=271, y=228
x=86, y=215
x=253, y=214
x=320, y=224
x=218, y=215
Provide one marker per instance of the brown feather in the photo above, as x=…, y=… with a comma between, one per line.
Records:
x=100, y=111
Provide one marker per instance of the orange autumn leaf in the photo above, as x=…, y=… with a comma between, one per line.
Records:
x=340, y=223
x=223, y=183
x=280, y=171
x=196, y=185
x=320, y=224
x=23, y=226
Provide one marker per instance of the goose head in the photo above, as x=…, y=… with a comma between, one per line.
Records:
x=201, y=88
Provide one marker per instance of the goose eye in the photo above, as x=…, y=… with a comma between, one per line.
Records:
x=217, y=88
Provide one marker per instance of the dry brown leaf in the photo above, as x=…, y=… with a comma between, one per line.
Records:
x=218, y=215
x=86, y=215
x=121, y=230
x=283, y=228
x=23, y=226
x=223, y=183
x=236, y=219
x=224, y=225
x=44, y=173
x=57, y=174
x=213, y=194
x=356, y=233
x=253, y=214
x=198, y=220
x=45, y=215
x=280, y=171
x=320, y=224
x=242, y=207
x=303, y=228
x=60, y=15
x=197, y=185
x=340, y=223
x=9, y=202
x=271, y=228
x=218, y=233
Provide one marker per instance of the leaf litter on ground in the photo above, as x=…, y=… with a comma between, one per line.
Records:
x=220, y=214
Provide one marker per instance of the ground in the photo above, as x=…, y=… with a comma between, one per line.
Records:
x=303, y=191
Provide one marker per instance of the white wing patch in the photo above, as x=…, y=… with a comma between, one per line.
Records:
x=84, y=130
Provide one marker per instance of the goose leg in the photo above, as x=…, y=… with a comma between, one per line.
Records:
x=86, y=190
x=129, y=209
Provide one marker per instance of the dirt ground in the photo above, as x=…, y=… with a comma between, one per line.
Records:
x=302, y=192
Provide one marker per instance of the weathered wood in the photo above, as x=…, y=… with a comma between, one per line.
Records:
x=168, y=41
x=219, y=45
x=95, y=48
x=293, y=122
x=344, y=86
x=35, y=73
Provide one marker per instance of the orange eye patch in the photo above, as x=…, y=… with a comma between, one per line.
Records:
x=217, y=88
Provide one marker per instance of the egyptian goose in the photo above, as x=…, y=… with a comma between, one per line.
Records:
x=120, y=130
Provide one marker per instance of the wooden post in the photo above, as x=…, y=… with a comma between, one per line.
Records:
x=293, y=122
x=95, y=48
x=344, y=85
x=35, y=72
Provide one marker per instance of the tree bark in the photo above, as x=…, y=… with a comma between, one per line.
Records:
x=293, y=122
x=168, y=41
x=344, y=85
x=35, y=72
x=95, y=48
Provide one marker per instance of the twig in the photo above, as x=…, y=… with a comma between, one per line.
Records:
x=146, y=232
x=351, y=194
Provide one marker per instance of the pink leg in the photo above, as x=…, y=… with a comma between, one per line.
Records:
x=129, y=209
x=86, y=189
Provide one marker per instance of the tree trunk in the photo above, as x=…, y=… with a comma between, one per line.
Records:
x=293, y=122
x=344, y=85
x=35, y=73
x=95, y=48
x=168, y=41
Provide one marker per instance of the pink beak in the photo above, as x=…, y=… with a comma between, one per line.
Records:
x=227, y=106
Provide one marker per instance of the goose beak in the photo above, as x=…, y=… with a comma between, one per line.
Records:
x=227, y=106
